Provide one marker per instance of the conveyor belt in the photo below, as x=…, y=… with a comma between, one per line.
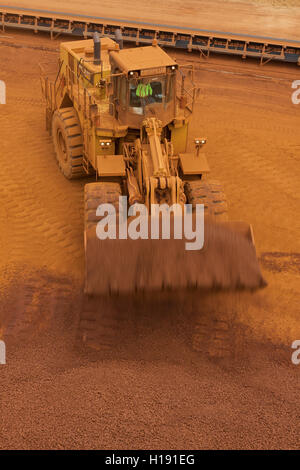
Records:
x=203, y=41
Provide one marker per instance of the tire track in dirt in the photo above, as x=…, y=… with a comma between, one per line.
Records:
x=247, y=156
x=50, y=221
x=43, y=303
x=252, y=147
x=281, y=262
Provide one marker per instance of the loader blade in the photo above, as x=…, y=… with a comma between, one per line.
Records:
x=227, y=261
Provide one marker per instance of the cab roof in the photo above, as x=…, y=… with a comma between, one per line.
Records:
x=141, y=58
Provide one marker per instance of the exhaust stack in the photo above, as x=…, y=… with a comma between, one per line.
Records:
x=119, y=38
x=97, y=49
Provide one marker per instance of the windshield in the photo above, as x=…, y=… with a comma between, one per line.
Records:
x=147, y=91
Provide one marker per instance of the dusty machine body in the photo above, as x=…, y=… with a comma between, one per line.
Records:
x=124, y=101
x=122, y=116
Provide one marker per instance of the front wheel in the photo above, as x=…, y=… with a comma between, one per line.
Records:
x=211, y=195
x=68, y=143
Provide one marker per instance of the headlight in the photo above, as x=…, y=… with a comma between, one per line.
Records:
x=200, y=141
x=105, y=143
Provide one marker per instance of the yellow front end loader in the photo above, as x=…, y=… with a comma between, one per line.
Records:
x=122, y=116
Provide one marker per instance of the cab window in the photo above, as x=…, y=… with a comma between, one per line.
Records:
x=145, y=92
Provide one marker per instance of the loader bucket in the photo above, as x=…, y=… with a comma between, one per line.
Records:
x=227, y=261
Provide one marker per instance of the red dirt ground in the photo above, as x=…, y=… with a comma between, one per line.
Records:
x=153, y=391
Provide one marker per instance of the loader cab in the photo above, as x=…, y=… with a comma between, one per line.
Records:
x=144, y=85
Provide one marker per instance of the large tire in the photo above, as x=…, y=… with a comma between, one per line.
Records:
x=96, y=194
x=68, y=143
x=211, y=195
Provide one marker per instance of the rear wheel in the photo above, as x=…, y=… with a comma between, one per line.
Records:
x=68, y=142
x=211, y=195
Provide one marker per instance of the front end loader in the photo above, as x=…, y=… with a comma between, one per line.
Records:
x=122, y=116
